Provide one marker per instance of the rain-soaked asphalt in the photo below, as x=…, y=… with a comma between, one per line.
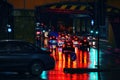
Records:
x=66, y=69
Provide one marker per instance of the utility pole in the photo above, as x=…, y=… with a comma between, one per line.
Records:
x=100, y=10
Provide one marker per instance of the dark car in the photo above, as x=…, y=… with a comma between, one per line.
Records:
x=68, y=47
x=21, y=56
x=52, y=43
x=84, y=44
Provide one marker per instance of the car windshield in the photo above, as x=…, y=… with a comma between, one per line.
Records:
x=16, y=46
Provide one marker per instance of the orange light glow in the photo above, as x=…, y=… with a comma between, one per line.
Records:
x=63, y=61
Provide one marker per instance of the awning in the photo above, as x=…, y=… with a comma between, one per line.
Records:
x=68, y=7
x=76, y=8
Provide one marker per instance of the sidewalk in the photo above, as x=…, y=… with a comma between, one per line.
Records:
x=104, y=44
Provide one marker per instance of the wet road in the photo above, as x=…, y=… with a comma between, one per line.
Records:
x=109, y=64
x=84, y=60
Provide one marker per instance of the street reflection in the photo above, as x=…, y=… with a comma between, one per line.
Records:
x=16, y=76
x=53, y=75
x=84, y=59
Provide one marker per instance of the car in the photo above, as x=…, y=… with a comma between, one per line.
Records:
x=84, y=44
x=22, y=56
x=92, y=39
x=68, y=47
x=52, y=40
x=53, y=43
x=76, y=41
x=61, y=41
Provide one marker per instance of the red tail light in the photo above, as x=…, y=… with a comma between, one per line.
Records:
x=76, y=38
x=85, y=40
x=63, y=45
x=38, y=32
x=68, y=43
x=80, y=43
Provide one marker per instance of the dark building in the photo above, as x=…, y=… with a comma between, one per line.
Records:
x=6, y=20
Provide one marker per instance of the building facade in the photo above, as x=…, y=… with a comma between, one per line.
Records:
x=24, y=20
x=30, y=4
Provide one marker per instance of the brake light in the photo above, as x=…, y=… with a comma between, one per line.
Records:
x=76, y=38
x=63, y=45
x=68, y=43
x=85, y=40
x=80, y=43
x=38, y=32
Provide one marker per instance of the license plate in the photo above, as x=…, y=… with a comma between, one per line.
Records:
x=54, y=46
x=68, y=46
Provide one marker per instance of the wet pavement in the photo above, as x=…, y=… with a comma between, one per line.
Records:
x=85, y=67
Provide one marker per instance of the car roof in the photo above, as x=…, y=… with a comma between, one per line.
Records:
x=11, y=40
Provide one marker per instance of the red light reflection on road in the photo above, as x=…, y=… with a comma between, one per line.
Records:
x=62, y=76
x=84, y=60
x=64, y=61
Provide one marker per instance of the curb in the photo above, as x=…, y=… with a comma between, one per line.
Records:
x=86, y=70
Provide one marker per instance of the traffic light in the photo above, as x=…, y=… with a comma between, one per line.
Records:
x=96, y=32
x=9, y=28
x=91, y=31
x=92, y=22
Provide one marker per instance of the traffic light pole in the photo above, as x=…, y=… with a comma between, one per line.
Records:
x=100, y=21
x=97, y=20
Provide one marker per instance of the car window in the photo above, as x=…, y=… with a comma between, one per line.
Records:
x=16, y=46
x=27, y=47
x=4, y=46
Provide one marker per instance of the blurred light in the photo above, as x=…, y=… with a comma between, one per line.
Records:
x=91, y=31
x=93, y=58
x=85, y=40
x=9, y=30
x=42, y=24
x=37, y=24
x=44, y=75
x=96, y=32
x=43, y=30
x=93, y=43
x=38, y=32
x=46, y=34
x=94, y=38
x=92, y=22
x=94, y=76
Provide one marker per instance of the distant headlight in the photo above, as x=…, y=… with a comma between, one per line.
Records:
x=94, y=38
x=88, y=38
